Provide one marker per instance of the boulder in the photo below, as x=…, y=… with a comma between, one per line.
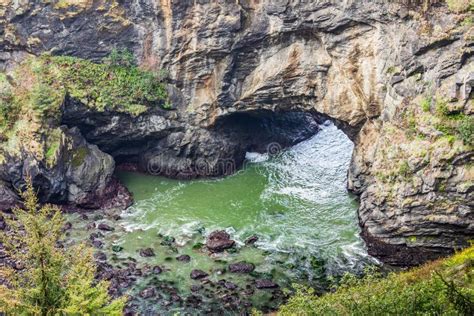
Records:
x=197, y=274
x=265, y=284
x=241, y=267
x=147, y=252
x=218, y=241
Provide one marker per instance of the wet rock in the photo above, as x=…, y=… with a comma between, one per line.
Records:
x=100, y=256
x=167, y=241
x=147, y=293
x=90, y=226
x=196, y=287
x=176, y=298
x=184, y=258
x=265, y=284
x=105, y=227
x=117, y=248
x=197, y=274
x=251, y=240
x=218, y=241
x=241, y=267
x=157, y=270
x=193, y=300
x=3, y=225
x=97, y=243
x=94, y=236
x=147, y=252
x=67, y=226
x=227, y=284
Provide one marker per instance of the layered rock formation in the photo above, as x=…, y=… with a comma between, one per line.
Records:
x=242, y=75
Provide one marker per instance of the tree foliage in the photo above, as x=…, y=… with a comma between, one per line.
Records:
x=52, y=279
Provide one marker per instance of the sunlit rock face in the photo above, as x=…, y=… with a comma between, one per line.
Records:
x=365, y=65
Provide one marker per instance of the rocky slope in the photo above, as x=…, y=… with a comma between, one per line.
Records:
x=250, y=75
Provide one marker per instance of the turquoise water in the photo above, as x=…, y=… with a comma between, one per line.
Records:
x=296, y=202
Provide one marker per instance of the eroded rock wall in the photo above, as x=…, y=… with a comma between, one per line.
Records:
x=367, y=65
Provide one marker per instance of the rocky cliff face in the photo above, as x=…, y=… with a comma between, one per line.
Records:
x=245, y=74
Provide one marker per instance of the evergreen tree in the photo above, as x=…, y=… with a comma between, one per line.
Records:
x=53, y=279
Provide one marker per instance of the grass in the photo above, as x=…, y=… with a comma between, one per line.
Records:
x=443, y=287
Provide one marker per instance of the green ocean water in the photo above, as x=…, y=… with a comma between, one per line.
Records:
x=296, y=202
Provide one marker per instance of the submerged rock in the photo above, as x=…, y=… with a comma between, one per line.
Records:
x=218, y=241
x=265, y=284
x=97, y=243
x=147, y=252
x=117, y=248
x=241, y=267
x=196, y=287
x=147, y=293
x=197, y=274
x=105, y=227
x=227, y=284
x=157, y=270
x=100, y=256
x=184, y=258
x=251, y=240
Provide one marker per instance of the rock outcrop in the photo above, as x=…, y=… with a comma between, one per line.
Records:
x=245, y=75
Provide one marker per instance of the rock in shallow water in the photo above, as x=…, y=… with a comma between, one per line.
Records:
x=251, y=240
x=105, y=227
x=148, y=293
x=157, y=270
x=147, y=252
x=197, y=274
x=218, y=241
x=241, y=267
x=184, y=258
x=265, y=284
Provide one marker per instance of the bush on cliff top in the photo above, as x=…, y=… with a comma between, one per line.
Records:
x=443, y=287
x=122, y=87
x=55, y=280
x=118, y=86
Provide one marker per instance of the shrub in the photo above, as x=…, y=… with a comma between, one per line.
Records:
x=459, y=6
x=437, y=288
x=54, y=280
x=101, y=86
x=466, y=130
x=123, y=58
x=442, y=107
x=404, y=169
x=426, y=104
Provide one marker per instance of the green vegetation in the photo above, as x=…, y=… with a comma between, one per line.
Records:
x=393, y=70
x=442, y=107
x=78, y=156
x=459, y=6
x=426, y=104
x=123, y=58
x=118, y=84
x=444, y=287
x=31, y=100
x=404, y=169
x=55, y=280
x=466, y=130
